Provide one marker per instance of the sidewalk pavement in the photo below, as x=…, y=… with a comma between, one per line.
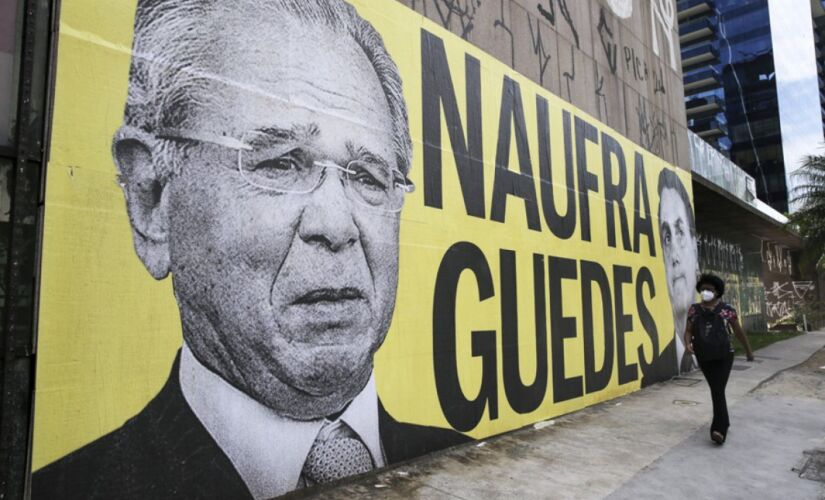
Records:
x=653, y=443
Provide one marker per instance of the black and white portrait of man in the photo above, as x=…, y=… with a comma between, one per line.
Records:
x=263, y=157
x=677, y=234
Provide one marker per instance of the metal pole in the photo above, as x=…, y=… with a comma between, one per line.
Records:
x=17, y=340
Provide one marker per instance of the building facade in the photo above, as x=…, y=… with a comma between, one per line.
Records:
x=731, y=95
x=818, y=13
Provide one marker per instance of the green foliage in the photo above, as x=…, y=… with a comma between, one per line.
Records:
x=812, y=312
x=758, y=340
x=810, y=218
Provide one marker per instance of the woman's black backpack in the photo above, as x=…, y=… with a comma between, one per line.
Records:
x=710, y=334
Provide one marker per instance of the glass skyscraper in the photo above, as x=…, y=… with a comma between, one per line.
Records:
x=730, y=78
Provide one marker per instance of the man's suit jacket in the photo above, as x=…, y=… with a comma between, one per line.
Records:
x=165, y=452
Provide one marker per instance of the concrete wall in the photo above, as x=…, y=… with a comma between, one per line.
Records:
x=620, y=70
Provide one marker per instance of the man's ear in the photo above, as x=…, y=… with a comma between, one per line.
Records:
x=146, y=197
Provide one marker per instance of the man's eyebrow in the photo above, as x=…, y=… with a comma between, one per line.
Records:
x=363, y=154
x=269, y=136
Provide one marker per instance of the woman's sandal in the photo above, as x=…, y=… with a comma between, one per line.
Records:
x=717, y=437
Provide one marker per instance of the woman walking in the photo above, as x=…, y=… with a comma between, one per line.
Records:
x=707, y=335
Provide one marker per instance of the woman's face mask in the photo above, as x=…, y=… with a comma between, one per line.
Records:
x=708, y=295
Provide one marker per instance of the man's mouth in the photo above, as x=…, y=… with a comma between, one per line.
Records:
x=328, y=310
x=321, y=295
x=677, y=278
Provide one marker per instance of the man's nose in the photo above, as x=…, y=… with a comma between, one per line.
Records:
x=327, y=218
x=674, y=257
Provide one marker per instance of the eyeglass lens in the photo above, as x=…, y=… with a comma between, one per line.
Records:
x=371, y=182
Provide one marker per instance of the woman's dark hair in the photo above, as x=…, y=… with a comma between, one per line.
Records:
x=712, y=280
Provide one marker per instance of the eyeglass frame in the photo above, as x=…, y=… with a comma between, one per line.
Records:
x=240, y=146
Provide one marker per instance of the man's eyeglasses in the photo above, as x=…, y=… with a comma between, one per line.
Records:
x=368, y=181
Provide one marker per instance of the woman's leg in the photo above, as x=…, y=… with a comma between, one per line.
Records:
x=722, y=422
x=716, y=373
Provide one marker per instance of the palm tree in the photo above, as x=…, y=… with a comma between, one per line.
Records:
x=809, y=196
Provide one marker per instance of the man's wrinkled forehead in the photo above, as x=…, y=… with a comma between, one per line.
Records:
x=672, y=214
x=284, y=72
x=671, y=205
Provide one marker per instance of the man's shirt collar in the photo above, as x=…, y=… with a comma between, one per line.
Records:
x=267, y=450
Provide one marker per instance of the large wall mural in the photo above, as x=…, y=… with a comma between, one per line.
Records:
x=261, y=274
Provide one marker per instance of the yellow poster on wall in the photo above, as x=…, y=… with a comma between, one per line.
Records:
x=281, y=231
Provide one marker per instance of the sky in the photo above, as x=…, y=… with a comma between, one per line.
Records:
x=797, y=83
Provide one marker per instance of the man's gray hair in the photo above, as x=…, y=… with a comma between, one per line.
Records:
x=172, y=38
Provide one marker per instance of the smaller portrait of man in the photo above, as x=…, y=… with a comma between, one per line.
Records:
x=263, y=157
x=677, y=234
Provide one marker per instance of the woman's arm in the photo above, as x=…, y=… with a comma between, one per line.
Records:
x=743, y=338
x=688, y=336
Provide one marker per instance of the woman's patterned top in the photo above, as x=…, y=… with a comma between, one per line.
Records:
x=726, y=311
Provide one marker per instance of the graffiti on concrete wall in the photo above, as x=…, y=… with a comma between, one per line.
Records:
x=663, y=18
x=783, y=298
x=636, y=67
x=743, y=287
x=776, y=258
x=654, y=128
x=751, y=296
x=539, y=49
x=783, y=295
x=733, y=289
x=718, y=254
x=617, y=56
x=608, y=42
x=570, y=74
x=601, y=98
x=463, y=11
x=549, y=13
x=554, y=11
x=654, y=133
x=501, y=23
x=659, y=81
x=662, y=12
